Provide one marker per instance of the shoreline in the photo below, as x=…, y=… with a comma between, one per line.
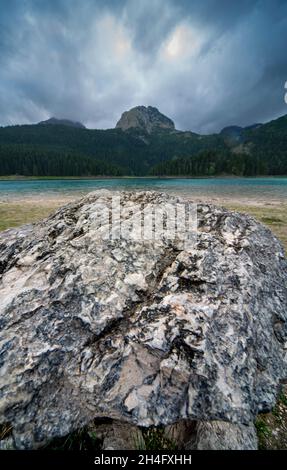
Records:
x=50, y=197
x=19, y=178
x=62, y=198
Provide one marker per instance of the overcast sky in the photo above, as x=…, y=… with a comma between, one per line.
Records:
x=206, y=64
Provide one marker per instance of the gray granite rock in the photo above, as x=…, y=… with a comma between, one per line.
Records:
x=147, y=333
x=219, y=435
x=117, y=435
x=144, y=118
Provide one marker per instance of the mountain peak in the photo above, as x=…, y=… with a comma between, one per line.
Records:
x=148, y=119
x=61, y=122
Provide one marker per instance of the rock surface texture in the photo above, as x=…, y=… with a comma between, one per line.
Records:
x=148, y=119
x=143, y=332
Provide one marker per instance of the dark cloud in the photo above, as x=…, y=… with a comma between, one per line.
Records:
x=206, y=64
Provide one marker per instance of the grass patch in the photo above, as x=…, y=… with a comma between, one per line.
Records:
x=16, y=214
x=272, y=220
x=80, y=440
x=263, y=431
x=5, y=431
x=283, y=399
x=272, y=427
x=156, y=439
x=86, y=440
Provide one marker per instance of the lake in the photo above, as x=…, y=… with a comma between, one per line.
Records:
x=253, y=189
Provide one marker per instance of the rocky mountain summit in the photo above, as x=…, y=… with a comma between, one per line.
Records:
x=148, y=119
x=144, y=332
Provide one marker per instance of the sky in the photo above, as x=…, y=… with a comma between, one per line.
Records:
x=206, y=64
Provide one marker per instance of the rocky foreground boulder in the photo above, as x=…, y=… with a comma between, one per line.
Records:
x=149, y=333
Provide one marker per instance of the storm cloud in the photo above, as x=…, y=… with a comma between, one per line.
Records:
x=206, y=64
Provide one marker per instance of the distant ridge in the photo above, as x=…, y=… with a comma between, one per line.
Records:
x=235, y=134
x=144, y=142
x=61, y=122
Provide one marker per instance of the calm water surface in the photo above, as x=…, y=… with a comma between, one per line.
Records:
x=253, y=188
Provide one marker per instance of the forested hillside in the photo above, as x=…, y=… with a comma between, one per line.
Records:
x=269, y=145
x=214, y=163
x=61, y=150
x=42, y=150
x=33, y=160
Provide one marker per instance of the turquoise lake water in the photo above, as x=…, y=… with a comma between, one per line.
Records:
x=253, y=188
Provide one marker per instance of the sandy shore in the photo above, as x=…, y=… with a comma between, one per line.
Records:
x=62, y=198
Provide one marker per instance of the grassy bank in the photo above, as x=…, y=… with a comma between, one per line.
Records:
x=165, y=177
x=19, y=213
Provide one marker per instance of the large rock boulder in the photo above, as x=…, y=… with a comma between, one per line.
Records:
x=144, y=332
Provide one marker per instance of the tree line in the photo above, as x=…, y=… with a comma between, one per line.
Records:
x=214, y=163
x=30, y=161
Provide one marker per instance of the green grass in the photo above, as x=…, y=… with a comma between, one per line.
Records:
x=80, y=440
x=283, y=399
x=263, y=431
x=16, y=214
x=87, y=440
x=272, y=427
x=156, y=439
